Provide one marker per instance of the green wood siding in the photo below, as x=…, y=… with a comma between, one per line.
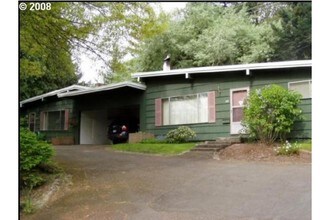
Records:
x=52, y=104
x=162, y=87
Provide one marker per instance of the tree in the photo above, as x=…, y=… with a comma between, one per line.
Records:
x=220, y=33
x=270, y=113
x=206, y=34
x=229, y=40
x=45, y=51
x=294, y=34
x=51, y=41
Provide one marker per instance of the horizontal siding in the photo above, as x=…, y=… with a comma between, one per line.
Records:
x=222, y=84
x=53, y=105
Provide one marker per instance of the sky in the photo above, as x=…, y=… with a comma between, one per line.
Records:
x=89, y=68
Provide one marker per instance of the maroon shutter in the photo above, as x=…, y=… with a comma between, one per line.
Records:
x=158, y=112
x=66, y=119
x=211, y=106
x=42, y=117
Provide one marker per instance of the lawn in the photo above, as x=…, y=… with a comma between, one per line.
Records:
x=306, y=145
x=155, y=148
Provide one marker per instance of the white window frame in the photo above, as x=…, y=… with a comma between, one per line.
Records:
x=169, y=109
x=302, y=81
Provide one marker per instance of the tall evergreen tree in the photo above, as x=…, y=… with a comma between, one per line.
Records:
x=294, y=35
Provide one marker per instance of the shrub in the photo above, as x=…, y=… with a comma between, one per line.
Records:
x=288, y=149
x=33, y=153
x=270, y=113
x=180, y=135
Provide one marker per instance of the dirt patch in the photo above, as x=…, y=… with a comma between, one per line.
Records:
x=51, y=191
x=260, y=152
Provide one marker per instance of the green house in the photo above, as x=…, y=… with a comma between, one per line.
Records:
x=207, y=99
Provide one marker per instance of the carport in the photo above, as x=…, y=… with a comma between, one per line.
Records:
x=97, y=108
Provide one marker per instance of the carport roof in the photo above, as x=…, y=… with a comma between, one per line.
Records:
x=105, y=88
x=76, y=90
x=55, y=92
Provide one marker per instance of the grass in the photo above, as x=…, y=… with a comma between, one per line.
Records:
x=306, y=145
x=155, y=148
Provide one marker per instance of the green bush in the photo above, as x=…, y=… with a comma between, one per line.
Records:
x=33, y=153
x=288, y=149
x=180, y=135
x=270, y=113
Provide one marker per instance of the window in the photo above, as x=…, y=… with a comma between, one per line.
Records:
x=302, y=87
x=188, y=109
x=54, y=120
x=32, y=121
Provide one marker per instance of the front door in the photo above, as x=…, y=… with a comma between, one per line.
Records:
x=237, y=97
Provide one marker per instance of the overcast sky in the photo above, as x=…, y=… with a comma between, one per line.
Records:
x=90, y=68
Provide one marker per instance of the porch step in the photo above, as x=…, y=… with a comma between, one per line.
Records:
x=217, y=145
x=213, y=145
x=204, y=149
x=210, y=146
x=231, y=140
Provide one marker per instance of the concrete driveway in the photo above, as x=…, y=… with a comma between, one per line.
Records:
x=113, y=185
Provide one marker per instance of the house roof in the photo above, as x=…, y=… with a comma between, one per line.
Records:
x=76, y=90
x=106, y=88
x=226, y=68
x=55, y=92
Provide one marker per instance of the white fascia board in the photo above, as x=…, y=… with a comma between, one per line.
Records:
x=227, y=68
x=105, y=88
x=55, y=92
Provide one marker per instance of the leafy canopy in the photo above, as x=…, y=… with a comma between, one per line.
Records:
x=51, y=41
x=208, y=34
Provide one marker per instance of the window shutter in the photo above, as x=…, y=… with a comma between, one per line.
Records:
x=66, y=119
x=211, y=106
x=42, y=117
x=158, y=112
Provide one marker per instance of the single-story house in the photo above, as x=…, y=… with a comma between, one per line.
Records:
x=207, y=99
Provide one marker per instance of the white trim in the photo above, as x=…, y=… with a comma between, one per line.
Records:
x=55, y=92
x=67, y=91
x=231, y=104
x=105, y=88
x=227, y=68
x=302, y=81
x=169, y=103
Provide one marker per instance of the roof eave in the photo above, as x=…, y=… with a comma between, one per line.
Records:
x=228, y=68
x=53, y=93
x=106, y=88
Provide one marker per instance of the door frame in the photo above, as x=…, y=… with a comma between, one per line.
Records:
x=231, y=107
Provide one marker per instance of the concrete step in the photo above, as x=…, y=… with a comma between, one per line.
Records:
x=204, y=149
x=230, y=140
x=213, y=145
x=218, y=144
